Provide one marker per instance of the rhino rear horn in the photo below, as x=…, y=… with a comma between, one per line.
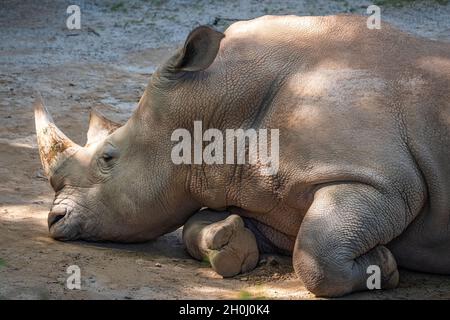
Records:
x=100, y=127
x=54, y=146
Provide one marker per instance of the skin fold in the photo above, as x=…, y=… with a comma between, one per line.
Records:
x=363, y=179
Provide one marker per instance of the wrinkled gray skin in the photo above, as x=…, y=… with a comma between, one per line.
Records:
x=364, y=176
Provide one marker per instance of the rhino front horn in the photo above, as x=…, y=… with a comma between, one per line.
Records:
x=54, y=146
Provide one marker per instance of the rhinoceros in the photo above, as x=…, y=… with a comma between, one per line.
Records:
x=364, y=162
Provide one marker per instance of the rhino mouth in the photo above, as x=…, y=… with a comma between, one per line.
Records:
x=60, y=223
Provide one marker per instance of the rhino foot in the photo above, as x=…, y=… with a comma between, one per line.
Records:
x=388, y=266
x=332, y=257
x=223, y=240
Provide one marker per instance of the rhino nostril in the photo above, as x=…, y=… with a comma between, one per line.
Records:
x=55, y=215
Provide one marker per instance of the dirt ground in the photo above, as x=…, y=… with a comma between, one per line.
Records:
x=107, y=64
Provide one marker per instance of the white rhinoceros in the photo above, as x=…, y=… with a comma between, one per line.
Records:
x=364, y=162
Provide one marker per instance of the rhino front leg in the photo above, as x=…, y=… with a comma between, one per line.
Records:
x=223, y=240
x=343, y=233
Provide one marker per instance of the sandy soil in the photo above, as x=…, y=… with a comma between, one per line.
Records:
x=107, y=64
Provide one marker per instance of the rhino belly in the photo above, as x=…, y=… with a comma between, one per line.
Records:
x=423, y=247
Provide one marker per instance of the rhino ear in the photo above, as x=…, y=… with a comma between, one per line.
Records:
x=199, y=51
x=100, y=127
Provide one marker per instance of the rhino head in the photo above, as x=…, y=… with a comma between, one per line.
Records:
x=122, y=185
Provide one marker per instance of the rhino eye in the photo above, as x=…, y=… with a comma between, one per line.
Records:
x=107, y=157
x=106, y=162
x=109, y=154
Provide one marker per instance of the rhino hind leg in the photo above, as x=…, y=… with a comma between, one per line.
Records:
x=341, y=242
x=223, y=240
